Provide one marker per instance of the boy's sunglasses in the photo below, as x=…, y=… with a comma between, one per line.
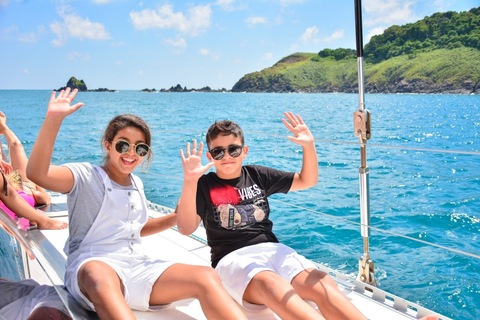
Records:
x=123, y=146
x=233, y=150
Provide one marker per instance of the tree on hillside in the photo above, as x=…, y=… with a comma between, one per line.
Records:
x=441, y=30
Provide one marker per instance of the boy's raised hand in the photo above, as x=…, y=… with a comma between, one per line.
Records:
x=302, y=134
x=192, y=163
x=61, y=105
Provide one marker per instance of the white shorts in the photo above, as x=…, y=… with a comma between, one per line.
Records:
x=239, y=267
x=137, y=275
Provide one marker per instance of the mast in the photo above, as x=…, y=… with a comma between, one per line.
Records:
x=362, y=128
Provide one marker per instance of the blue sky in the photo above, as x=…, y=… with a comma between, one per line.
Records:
x=120, y=44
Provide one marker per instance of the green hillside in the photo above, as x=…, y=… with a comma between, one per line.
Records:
x=440, y=53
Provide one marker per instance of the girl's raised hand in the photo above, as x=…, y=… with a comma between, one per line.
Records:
x=61, y=105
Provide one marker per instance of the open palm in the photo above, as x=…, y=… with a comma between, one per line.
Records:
x=61, y=105
x=192, y=162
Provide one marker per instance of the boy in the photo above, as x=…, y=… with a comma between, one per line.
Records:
x=232, y=203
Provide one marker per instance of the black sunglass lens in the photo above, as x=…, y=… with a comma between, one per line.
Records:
x=142, y=150
x=122, y=147
x=234, y=151
x=217, y=153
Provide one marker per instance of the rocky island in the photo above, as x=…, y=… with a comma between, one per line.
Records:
x=179, y=88
x=73, y=83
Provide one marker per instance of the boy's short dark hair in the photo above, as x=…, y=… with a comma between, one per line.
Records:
x=224, y=128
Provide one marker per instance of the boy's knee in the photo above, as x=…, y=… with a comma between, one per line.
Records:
x=209, y=275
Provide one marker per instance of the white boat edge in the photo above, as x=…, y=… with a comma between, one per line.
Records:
x=48, y=267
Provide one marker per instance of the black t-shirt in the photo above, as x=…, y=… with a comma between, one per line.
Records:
x=235, y=212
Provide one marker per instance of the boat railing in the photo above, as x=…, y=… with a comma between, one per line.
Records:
x=38, y=249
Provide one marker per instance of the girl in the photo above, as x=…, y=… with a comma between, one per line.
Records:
x=18, y=159
x=106, y=270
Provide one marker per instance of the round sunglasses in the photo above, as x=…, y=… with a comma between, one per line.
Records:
x=123, y=146
x=234, y=150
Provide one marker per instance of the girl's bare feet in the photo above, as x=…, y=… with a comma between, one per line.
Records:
x=52, y=224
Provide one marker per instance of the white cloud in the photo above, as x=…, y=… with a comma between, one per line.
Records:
x=310, y=35
x=26, y=71
x=237, y=60
x=208, y=52
x=293, y=48
x=28, y=37
x=102, y=1
x=77, y=56
x=75, y=26
x=176, y=43
x=197, y=20
x=253, y=20
x=226, y=5
x=268, y=56
x=388, y=12
x=9, y=30
x=205, y=52
x=374, y=32
x=289, y=2
x=118, y=63
x=4, y=3
x=140, y=72
x=338, y=34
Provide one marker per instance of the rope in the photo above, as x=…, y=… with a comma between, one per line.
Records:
x=335, y=217
x=381, y=230
x=321, y=140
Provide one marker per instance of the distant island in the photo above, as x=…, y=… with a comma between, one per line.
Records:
x=179, y=88
x=73, y=83
x=439, y=54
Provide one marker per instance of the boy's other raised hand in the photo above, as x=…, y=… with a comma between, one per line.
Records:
x=192, y=162
x=61, y=105
x=302, y=134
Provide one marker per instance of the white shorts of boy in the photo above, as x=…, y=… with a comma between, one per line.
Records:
x=238, y=268
x=138, y=274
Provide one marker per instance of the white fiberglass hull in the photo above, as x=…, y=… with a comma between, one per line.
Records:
x=48, y=267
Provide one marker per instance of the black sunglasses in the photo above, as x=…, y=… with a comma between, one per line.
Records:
x=233, y=150
x=123, y=146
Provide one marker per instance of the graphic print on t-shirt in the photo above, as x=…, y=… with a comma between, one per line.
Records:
x=238, y=208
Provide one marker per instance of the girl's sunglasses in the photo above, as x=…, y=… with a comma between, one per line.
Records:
x=233, y=150
x=123, y=146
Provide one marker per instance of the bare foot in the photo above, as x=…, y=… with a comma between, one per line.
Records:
x=430, y=317
x=52, y=224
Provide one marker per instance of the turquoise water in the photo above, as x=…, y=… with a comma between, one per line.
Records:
x=427, y=195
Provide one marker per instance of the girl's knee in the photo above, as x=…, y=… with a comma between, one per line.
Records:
x=95, y=274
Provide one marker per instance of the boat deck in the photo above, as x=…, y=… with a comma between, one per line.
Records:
x=47, y=247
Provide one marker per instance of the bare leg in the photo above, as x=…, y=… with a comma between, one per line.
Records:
x=18, y=205
x=48, y=313
x=315, y=285
x=19, y=160
x=102, y=286
x=181, y=281
x=270, y=289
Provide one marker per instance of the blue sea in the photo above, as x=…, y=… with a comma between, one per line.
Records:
x=424, y=159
